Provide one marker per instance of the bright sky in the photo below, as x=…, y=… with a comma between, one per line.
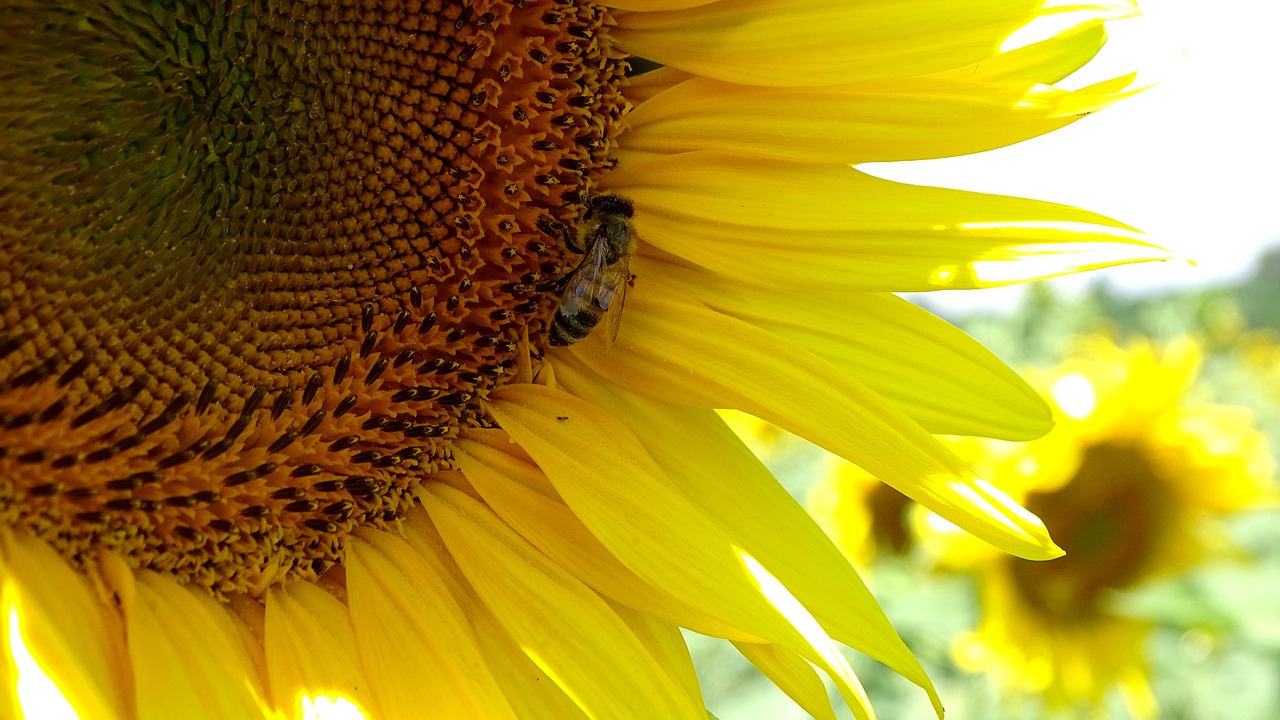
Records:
x=1194, y=161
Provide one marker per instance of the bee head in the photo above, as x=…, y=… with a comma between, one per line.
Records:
x=608, y=204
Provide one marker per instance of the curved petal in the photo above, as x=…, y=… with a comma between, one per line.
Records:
x=933, y=372
x=717, y=472
x=792, y=675
x=564, y=627
x=164, y=621
x=311, y=652
x=553, y=528
x=912, y=118
x=782, y=224
x=413, y=639
x=531, y=692
x=1047, y=61
x=818, y=42
x=64, y=627
x=611, y=482
x=674, y=349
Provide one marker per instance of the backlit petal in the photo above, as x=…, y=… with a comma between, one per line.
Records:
x=903, y=119
x=413, y=639
x=311, y=651
x=605, y=474
x=64, y=628
x=759, y=514
x=165, y=622
x=554, y=529
x=564, y=627
x=792, y=675
x=792, y=43
x=675, y=349
x=805, y=226
x=936, y=374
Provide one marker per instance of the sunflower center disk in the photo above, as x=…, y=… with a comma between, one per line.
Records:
x=261, y=263
x=1108, y=521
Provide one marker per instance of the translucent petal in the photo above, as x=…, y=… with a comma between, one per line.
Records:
x=311, y=651
x=63, y=626
x=164, y=622
x=674, y=349
x=564, y=627
x=812, y=226
x=792, y=675
x=903, y=119
x=606, y=476
x=413, y=639
x=936, y=374
x=551, y=526
x=666, y=644
x=1047, y=61
x=716, y=471
x=533, y=695
x=794, y=43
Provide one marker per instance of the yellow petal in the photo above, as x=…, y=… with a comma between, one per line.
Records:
x=188, y=655
x=792, y=675
x=887, y=120
x=532, y=694
x=666, y=644
x=509, y=488
x=792, y=43
x=694, y=445
x=1047, y=61
x=828, y=226
x=611, y=482
x=413, y=639
x=64, y=628
x=311, y=651
x=936, y=374
x=564, y=627
x=674, y=349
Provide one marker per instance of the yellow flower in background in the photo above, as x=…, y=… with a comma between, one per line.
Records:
x=1128, y=482
x=282, y=429
x=863, y=516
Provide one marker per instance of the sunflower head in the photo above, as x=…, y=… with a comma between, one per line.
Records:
x=1129, y=482
x=276, y=374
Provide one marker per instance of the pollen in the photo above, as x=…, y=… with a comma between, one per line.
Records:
x=263, y=260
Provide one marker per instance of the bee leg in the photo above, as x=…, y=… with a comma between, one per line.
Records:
x=631, y=280
x=557, y=230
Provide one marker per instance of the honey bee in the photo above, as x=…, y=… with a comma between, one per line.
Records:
x=598, y=286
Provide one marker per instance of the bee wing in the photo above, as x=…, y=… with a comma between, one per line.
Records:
x=587, y=283
x=623, y=268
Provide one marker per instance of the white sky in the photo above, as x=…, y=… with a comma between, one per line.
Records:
x=1194, y=161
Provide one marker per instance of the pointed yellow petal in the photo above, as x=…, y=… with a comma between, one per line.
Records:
x=666, y=644
x=564, y=627
x=887, y=120
x=532, y=694
x=694, y=445
x=1047, y=61
x=792, y=675
x=553, y=528
x=674, y=349
x=311, y=651
x=189, y=658
x=413, y=639
x=791, y=43
x=936, y=374
x=604, y=473
x=64, y=628
x=828, y=226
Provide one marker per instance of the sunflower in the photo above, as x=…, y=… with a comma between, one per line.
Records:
x=1130, y=482
x=283, y=427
